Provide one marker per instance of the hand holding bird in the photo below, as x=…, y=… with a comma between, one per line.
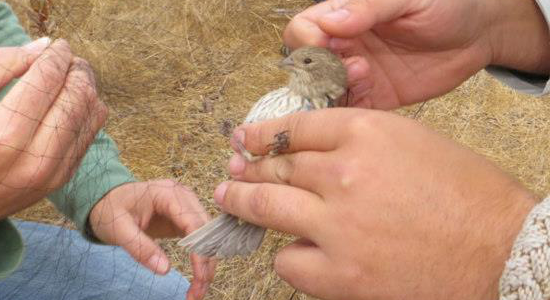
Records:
x=317, y=80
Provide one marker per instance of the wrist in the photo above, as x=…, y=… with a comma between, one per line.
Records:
x=507, y=224
x=518, y=36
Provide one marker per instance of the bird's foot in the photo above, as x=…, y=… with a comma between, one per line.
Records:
x=281, y=143
x=246, y=154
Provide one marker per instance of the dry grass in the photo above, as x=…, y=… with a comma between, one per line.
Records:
x=178, y=74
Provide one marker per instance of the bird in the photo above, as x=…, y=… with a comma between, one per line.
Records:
x=317, y=80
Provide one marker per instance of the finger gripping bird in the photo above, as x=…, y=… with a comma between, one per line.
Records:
x=317, y=80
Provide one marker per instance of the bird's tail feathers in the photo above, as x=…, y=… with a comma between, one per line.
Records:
x=224, y=237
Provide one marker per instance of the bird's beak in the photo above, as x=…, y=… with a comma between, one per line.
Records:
x=286, y=63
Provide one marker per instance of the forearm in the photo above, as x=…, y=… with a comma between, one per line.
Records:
x=100, y=172
x=519, y=35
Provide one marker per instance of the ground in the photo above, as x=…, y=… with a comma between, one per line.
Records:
x=178, y=75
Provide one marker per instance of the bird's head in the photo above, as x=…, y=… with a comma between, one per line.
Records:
x=316, y=74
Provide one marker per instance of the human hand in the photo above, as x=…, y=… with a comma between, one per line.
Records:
x=47, y=121
x=406, y=51
x=384, y=207
x=133, y=214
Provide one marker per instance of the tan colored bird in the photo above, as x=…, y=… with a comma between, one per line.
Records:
x=317, y=80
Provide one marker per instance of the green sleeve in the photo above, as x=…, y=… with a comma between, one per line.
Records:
x=11, y=249
x=11, y=252
x=100, y=170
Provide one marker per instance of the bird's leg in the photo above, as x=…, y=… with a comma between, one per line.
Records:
x=246, y=154
x=281, y=143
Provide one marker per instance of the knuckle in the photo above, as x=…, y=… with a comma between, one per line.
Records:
x=284, y=166
x=53, y=63
x=348, y=173
x=359, y=125
x=81, y=81
x=261, y=202
x=84, y=91
x=52, y=73
x=89, y=94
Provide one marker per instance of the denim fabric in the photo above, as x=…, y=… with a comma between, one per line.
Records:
x=59, y=264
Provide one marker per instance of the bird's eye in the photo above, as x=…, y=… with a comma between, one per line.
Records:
x=307, y=61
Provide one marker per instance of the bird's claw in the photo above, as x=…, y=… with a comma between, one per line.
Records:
x=281, y=143
x=246, y=154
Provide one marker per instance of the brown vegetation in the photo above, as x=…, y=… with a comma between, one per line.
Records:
x=177, y=75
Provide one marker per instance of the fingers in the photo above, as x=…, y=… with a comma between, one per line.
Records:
x=24, y=108
x=360, y=82
x=278, y=207
x=304, y=266
x=177, y=204
x=306, y=170
x=76, y=114
x=134, y=213
x=342, y=19
x=304, y=29
x=318, y=130
x=180, y=206
x=142, y=248
x=14, y=61
x=203, y=269
x=351, y=18
x=72, y=122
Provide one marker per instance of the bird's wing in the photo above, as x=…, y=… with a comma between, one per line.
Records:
x=275, y=104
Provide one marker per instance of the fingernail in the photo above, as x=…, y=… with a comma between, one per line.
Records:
x=237, y=165
x=159, y=263
x=219, y=193
x=38, y=45
x=338, y=15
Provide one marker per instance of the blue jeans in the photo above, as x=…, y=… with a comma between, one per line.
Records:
x=59, y=264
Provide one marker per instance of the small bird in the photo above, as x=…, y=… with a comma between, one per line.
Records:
x=317, y=80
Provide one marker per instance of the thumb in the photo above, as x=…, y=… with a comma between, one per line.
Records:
x=347, y=19
x=15, y=61
x=140, y=246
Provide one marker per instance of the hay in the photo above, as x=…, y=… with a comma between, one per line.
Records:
x=177, y=75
